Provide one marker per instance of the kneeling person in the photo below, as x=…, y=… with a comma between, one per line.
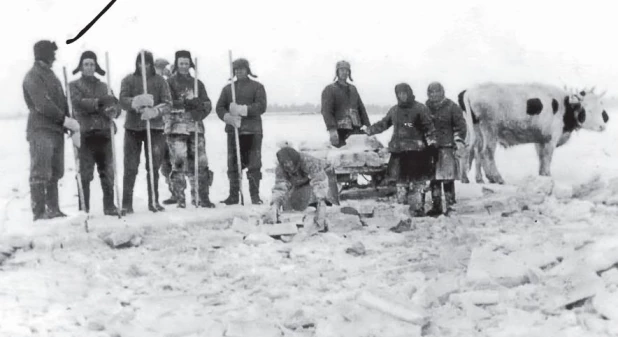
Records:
x=302, y=180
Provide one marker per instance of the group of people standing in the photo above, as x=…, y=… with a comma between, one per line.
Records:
x=161, y=105
x=426, y=141
x=423, y=146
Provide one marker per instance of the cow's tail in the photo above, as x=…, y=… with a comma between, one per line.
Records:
x=468, y=116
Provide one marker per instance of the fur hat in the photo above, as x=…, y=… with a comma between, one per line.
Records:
x=45, y=50
x=161, y=63
x=149, y=59
x=185, y=54
x=343, y=64
x=89, y=55
x=242, y=63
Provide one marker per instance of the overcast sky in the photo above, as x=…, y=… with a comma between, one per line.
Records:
x=293, y=46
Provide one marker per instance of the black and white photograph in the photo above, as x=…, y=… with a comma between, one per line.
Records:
x=323, y=168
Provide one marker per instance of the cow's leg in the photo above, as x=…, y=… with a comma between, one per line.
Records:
x=464, y=164
x=478, y=168
x=545, y=152
x=487, y=159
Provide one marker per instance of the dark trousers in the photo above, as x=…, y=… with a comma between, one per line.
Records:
x=46, y=157
x=250, y=157
x=133, y=143
x=46, y=168
x=96, y=149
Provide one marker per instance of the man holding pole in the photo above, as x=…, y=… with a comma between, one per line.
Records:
x=48, y=119
x=243, y=116
x=143, y=110
x=162, y=69
x=185, y=119
x=95, y=110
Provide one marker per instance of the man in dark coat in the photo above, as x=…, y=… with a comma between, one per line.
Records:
x=180, y=128
x=141, y=107
x=342, y=108
x=451, y=134
x=48, y=119
x=411, y=145
x=246, y=116
x=95, y=110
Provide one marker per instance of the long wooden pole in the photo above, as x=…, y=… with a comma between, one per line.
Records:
x=148, y=138
x=78, y=174
x=242, y=200
x=111, y=133
x=196, y=154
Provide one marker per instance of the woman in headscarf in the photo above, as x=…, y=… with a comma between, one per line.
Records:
x=413, y=136
x=302, y=180
x=451, y=134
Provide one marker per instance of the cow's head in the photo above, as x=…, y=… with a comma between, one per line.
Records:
x=584, y=109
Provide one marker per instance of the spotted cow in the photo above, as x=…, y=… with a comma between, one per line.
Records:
x=513, y=114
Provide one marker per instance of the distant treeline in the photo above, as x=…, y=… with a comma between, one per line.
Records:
x=316, y=108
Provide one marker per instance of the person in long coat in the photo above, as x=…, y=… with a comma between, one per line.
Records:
x=451, y=134
x=411, y=146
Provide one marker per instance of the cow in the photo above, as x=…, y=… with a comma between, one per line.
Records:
x=513, y=114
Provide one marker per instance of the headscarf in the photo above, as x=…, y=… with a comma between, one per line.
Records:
x=404, y=87
x=287, y=154
x=437, y=104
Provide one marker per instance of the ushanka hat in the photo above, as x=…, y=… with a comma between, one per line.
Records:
x=343, y=64
x=44, y=50
x=89, y=55
x=185, y=54
x=242, y=63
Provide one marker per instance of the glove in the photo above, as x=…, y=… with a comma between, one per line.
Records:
x=459, y=145
x=238, y=110
x=272, y=215
x=149, y=113
x=140, y=101
x=320, y=217
x=234, y=121
x=71, y=124
x=192, y=104
x=111, y=112
x=460, y=148
x=107, y=101
x=76, y=137
x=334, y=137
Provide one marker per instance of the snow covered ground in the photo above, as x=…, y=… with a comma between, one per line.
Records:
x=533, y=258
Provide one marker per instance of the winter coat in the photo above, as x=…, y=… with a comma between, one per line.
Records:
x=311, y=171
x=179, y=120
x=250, y=93
x=342, y=107
x=132, y=86
x=45, y=99
x=449, y=122
x=413, y=129
x=84, y=94
x=450, y=127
